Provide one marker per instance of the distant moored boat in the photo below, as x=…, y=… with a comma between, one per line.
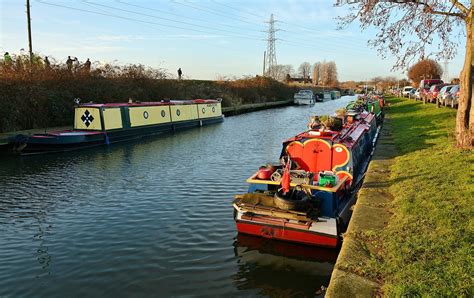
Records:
x=102, y=124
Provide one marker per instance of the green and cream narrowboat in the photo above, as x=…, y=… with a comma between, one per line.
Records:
x=103, y=124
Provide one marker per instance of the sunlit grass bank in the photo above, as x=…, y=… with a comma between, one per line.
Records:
x=428, y=243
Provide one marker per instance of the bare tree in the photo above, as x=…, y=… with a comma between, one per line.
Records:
x=316, y=73
x=425, y=69
x=328, y=73
x=304, y=70
x=280, y=71
x=332, y=69
x=399, y=21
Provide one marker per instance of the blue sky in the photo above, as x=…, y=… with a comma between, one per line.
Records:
x=207, y=39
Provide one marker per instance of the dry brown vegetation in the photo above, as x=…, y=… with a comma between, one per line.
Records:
x=39, y=96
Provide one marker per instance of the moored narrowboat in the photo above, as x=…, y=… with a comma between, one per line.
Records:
x=103, y=124
x=306, y=198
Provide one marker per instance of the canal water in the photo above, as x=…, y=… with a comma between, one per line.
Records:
x=153, y=217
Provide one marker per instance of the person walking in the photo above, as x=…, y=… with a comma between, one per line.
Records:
x=87, y=65
x=180, y=73
x=47, y=64
x=7, y=59
x=69, y=63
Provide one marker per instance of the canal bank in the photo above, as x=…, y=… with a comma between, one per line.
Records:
x=411, y=230
x=48, y=100
x=351, y=276
x=247, y=108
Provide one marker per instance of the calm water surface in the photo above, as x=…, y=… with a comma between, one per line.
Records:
x=152, y=217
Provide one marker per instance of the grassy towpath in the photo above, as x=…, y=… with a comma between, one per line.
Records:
x=428, y=243
x=419, y=239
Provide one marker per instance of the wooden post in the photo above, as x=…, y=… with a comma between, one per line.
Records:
x=30, y=44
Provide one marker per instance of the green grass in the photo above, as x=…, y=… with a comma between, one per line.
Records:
x=428, y=243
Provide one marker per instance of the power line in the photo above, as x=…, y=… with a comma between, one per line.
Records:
x=211, y=11
x=335, y=45
x=161, y=18
x=312, y=30
x=249, y=20
x=137, y=20
x=174, y=14
x=233, y=8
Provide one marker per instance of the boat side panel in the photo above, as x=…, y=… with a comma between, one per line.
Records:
x=183, y=113
x=209, y=110
x=112, y=118
x=87, y=118
x=142, y=116
x=286, y=234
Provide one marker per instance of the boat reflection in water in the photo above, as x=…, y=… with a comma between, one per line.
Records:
x=297, y=270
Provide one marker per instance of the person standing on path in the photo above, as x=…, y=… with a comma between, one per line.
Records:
x=47, y=64
x=87, y=65
x=180, y=73
x=69, y=63
x=7, y=59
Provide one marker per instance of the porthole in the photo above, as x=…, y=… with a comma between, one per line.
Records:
x=213, y=109
x=145, y=115
x=163, y=113
x=178, y=112
x=203, y=110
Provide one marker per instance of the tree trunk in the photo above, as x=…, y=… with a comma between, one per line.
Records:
x=465, y=114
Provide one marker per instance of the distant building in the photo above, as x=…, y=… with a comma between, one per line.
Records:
x=299, y=80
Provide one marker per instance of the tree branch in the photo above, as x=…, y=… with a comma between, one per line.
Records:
x=451, y=14
x=461, y=7
x=456, y=3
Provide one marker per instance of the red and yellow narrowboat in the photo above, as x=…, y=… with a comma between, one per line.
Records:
x=307, y=197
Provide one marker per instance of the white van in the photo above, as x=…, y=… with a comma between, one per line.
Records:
x=406, y=91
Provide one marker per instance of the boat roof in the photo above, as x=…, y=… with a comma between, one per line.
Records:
x=148, y=103
x=348, y=136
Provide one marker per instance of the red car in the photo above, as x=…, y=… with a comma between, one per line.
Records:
x=425, y=86
x=433, y=93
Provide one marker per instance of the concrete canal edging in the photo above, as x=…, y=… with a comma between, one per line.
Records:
x=236, y=110
x=371, y=214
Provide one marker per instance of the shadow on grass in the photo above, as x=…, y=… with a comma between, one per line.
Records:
x=416, y=126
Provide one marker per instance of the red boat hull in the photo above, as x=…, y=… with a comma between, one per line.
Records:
x=286, y=234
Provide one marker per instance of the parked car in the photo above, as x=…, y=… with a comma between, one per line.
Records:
x=406, y=91
x=425, y=86
x=412, y=93
x=452, y=96
x=418, y=94
x=433, y=93
x=443, y=93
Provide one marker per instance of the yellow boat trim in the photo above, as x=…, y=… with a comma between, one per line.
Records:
x=306, y=142
x=345, y=172
x=335, y=188
x=347, y=159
